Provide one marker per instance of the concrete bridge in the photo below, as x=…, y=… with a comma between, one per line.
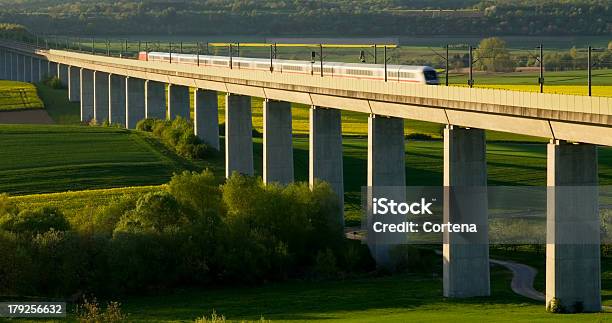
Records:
x=125, y=91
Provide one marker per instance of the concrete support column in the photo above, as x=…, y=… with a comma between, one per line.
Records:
x=53, y=69
x=27, y=69
x=101, y=106
x=325, y=153
x=74, y=84
x=3, y=64
x=573, y=269
x=155, y=100
x=135, y=101
x=206, y=117
x=62, y=72
x=116, y=98
x=178, y=101
x=44, y=69
x=238, y=135
x=13, y=66
x=466, y=255
x=20, y=68
x=386, y=168
x=277, y=142
x=87, y=94
x=36, y=70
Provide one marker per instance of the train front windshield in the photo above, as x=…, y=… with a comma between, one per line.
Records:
x=431, y=76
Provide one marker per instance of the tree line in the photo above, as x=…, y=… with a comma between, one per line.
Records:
x=329, y=17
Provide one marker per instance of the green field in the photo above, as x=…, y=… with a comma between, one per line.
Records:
x=76, y=158
x=57, y=105
x=368, y=298
x=73, y=201
x=18, y=96
x=401, y=298
x=40, y=159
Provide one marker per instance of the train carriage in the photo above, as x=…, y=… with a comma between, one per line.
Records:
x=395, y=73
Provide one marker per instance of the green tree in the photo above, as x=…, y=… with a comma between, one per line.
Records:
x=493, y=56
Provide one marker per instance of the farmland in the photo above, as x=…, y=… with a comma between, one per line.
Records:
x=18, y=96
x=41, y=159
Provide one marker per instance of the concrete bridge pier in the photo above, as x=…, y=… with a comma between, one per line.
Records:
x=3, y=68
x=87, y=94
x=573, y=269
x=14, y=67
x=62, y=72
x=238, y=135
x=74, y=84
x=116, y=99
x=35, y=70
x=44, y=69
x=53, y=69
x=325, y=152
x=155, y=100
x=20, y=68
x=386, y=168
x=135, y=101
x=277, y=142
x=27, y=69
x=206, y=117
x=101, y=106
x=2, y=64
x=178, y=102
x=466, y=255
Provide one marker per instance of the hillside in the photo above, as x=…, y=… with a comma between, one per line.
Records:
x=330, y=17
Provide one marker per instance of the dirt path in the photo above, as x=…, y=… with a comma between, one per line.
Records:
x=35, y=116
x=522, y=279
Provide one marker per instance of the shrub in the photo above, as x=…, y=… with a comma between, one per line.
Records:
x=53, y=82
x=554, y=306
x=155, y=211
x=7, y=207
x=325, y=264
x=177, y=134
x=91, y=312
x=146, y=124
x=408, y=258
x=35, y=221
x=193, y=233
x=214, y=318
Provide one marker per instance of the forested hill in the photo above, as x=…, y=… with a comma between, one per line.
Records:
x=313, y=17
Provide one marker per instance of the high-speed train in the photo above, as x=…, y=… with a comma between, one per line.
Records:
x=395, y=73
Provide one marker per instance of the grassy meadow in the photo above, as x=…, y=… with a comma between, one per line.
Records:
x=67, y=160
x=371, y=298
x=42, y=159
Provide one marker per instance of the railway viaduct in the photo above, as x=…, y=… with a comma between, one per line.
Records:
x=125, y=91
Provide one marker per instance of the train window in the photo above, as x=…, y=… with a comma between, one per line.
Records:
x=219, y=62
x=292, y=68
x=263, y=66
x=430, y=75
x=392, y=74
x=406, y=75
